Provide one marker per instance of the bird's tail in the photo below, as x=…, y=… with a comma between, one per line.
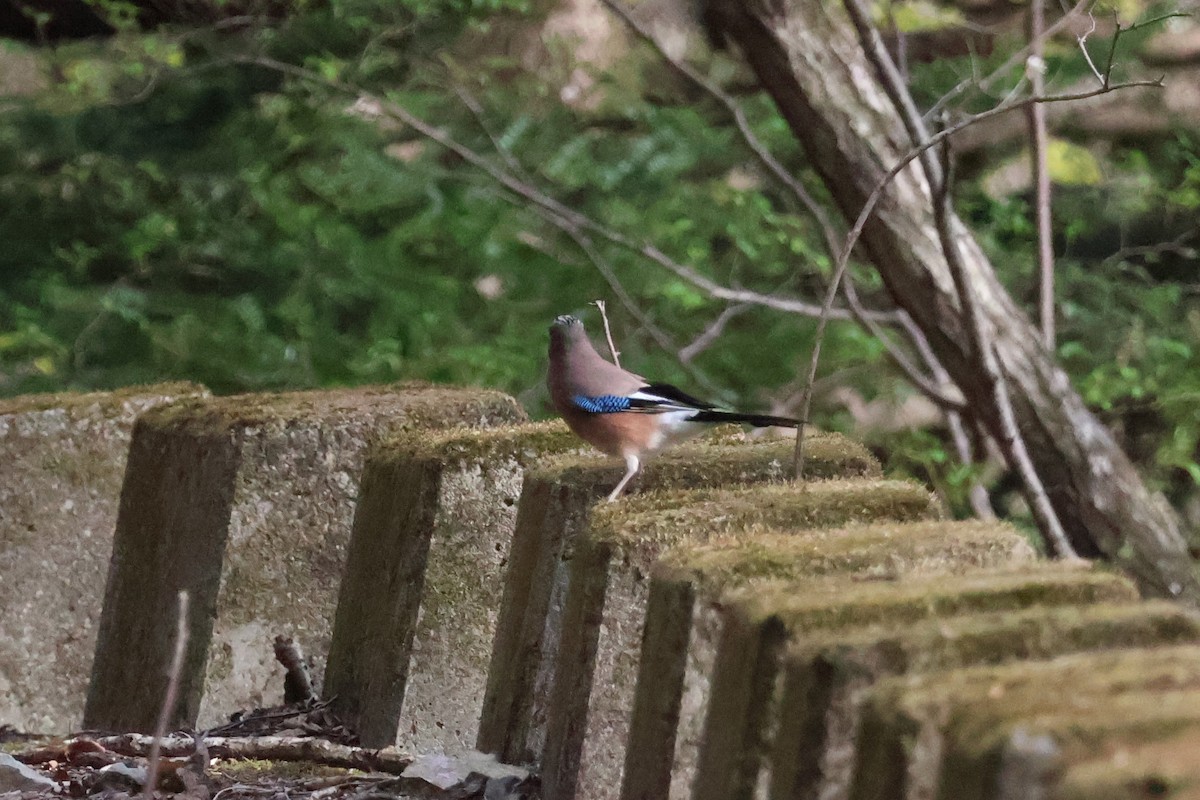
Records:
x=757, y=420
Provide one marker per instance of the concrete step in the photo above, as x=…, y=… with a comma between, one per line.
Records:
x=824, y=677
x=1004, y=731
x=424, y=580
x=683, y=617
x=555, y=506
x=62, y=459
x=246, y=502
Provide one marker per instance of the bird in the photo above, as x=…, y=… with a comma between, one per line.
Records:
x=621, y=413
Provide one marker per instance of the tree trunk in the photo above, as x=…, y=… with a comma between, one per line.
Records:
x=807, y=55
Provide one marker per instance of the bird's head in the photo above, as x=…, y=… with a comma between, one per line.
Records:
x=566, y=321
x=565, y=328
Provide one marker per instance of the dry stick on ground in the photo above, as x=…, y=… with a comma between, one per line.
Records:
x=1035, y=71
x=172, y=695
x=267, y=748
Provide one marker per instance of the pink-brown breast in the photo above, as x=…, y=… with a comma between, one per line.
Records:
x=621, y=434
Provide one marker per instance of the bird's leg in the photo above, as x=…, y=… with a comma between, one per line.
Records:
x=632, y=465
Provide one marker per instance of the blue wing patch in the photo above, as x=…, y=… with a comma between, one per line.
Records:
x=604, y=404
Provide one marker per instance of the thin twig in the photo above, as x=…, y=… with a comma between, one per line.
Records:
x=983, y=349
x=710, y=333
x=1035, y=71
x=612, y=348
x=167, y=712
x=984, y=84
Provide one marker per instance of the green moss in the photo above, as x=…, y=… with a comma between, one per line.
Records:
x=530, y=444
x=115, y=399
x=668, y=517
x=725, y=461
x=979, y=703
x=396, y=407
x=879, y=549
x=994, y=637
x=807, y=605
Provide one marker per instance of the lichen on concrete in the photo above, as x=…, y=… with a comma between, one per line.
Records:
x=557, y=501
x=659, y=520
x=248, y=500
x=720, y=462
x=531, y=444
x=62, y=459
x=948, y=729
x=830, y=603
x=881, y=548
x=409, y=665
x=826, y=672
x=686, y=598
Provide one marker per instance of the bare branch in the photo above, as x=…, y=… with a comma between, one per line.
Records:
x=984, y=84
x=981, y=345
x=567, y=218
x=944, y=134
x=1035, y=71
x=710, y=333
x=476, y=109
x=934, y=391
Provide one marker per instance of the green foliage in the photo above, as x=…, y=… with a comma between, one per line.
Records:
x=173, y=210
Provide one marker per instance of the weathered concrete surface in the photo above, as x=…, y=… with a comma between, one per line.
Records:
x=758, y=624
x=417, y=610
x=683, y=618
x=592, y=700
x=1166, y=768
x=247, y=502
x=555, y=505
x=1003, y=731
x=62, y=458
x=826, y=674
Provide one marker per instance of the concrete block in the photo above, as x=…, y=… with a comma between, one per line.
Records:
x=247, y=502
x=825, y=676
x=555, y=505
x=62, y=458
x=590, y=706
x=424, y=579
x=758, y=623
x=684, y=620
x=1165, y=768
x=1009, y=731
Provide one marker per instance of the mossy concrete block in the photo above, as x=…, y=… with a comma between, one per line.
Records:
x=683, y=622
x=591, y=703
x=760, y=622
x=424, y=578
x=62, y=457
x=247, y=503
x=555, y=505
x=984, y=732
x=825, y=675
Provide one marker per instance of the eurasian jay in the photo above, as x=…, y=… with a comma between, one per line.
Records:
x=620, y=413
